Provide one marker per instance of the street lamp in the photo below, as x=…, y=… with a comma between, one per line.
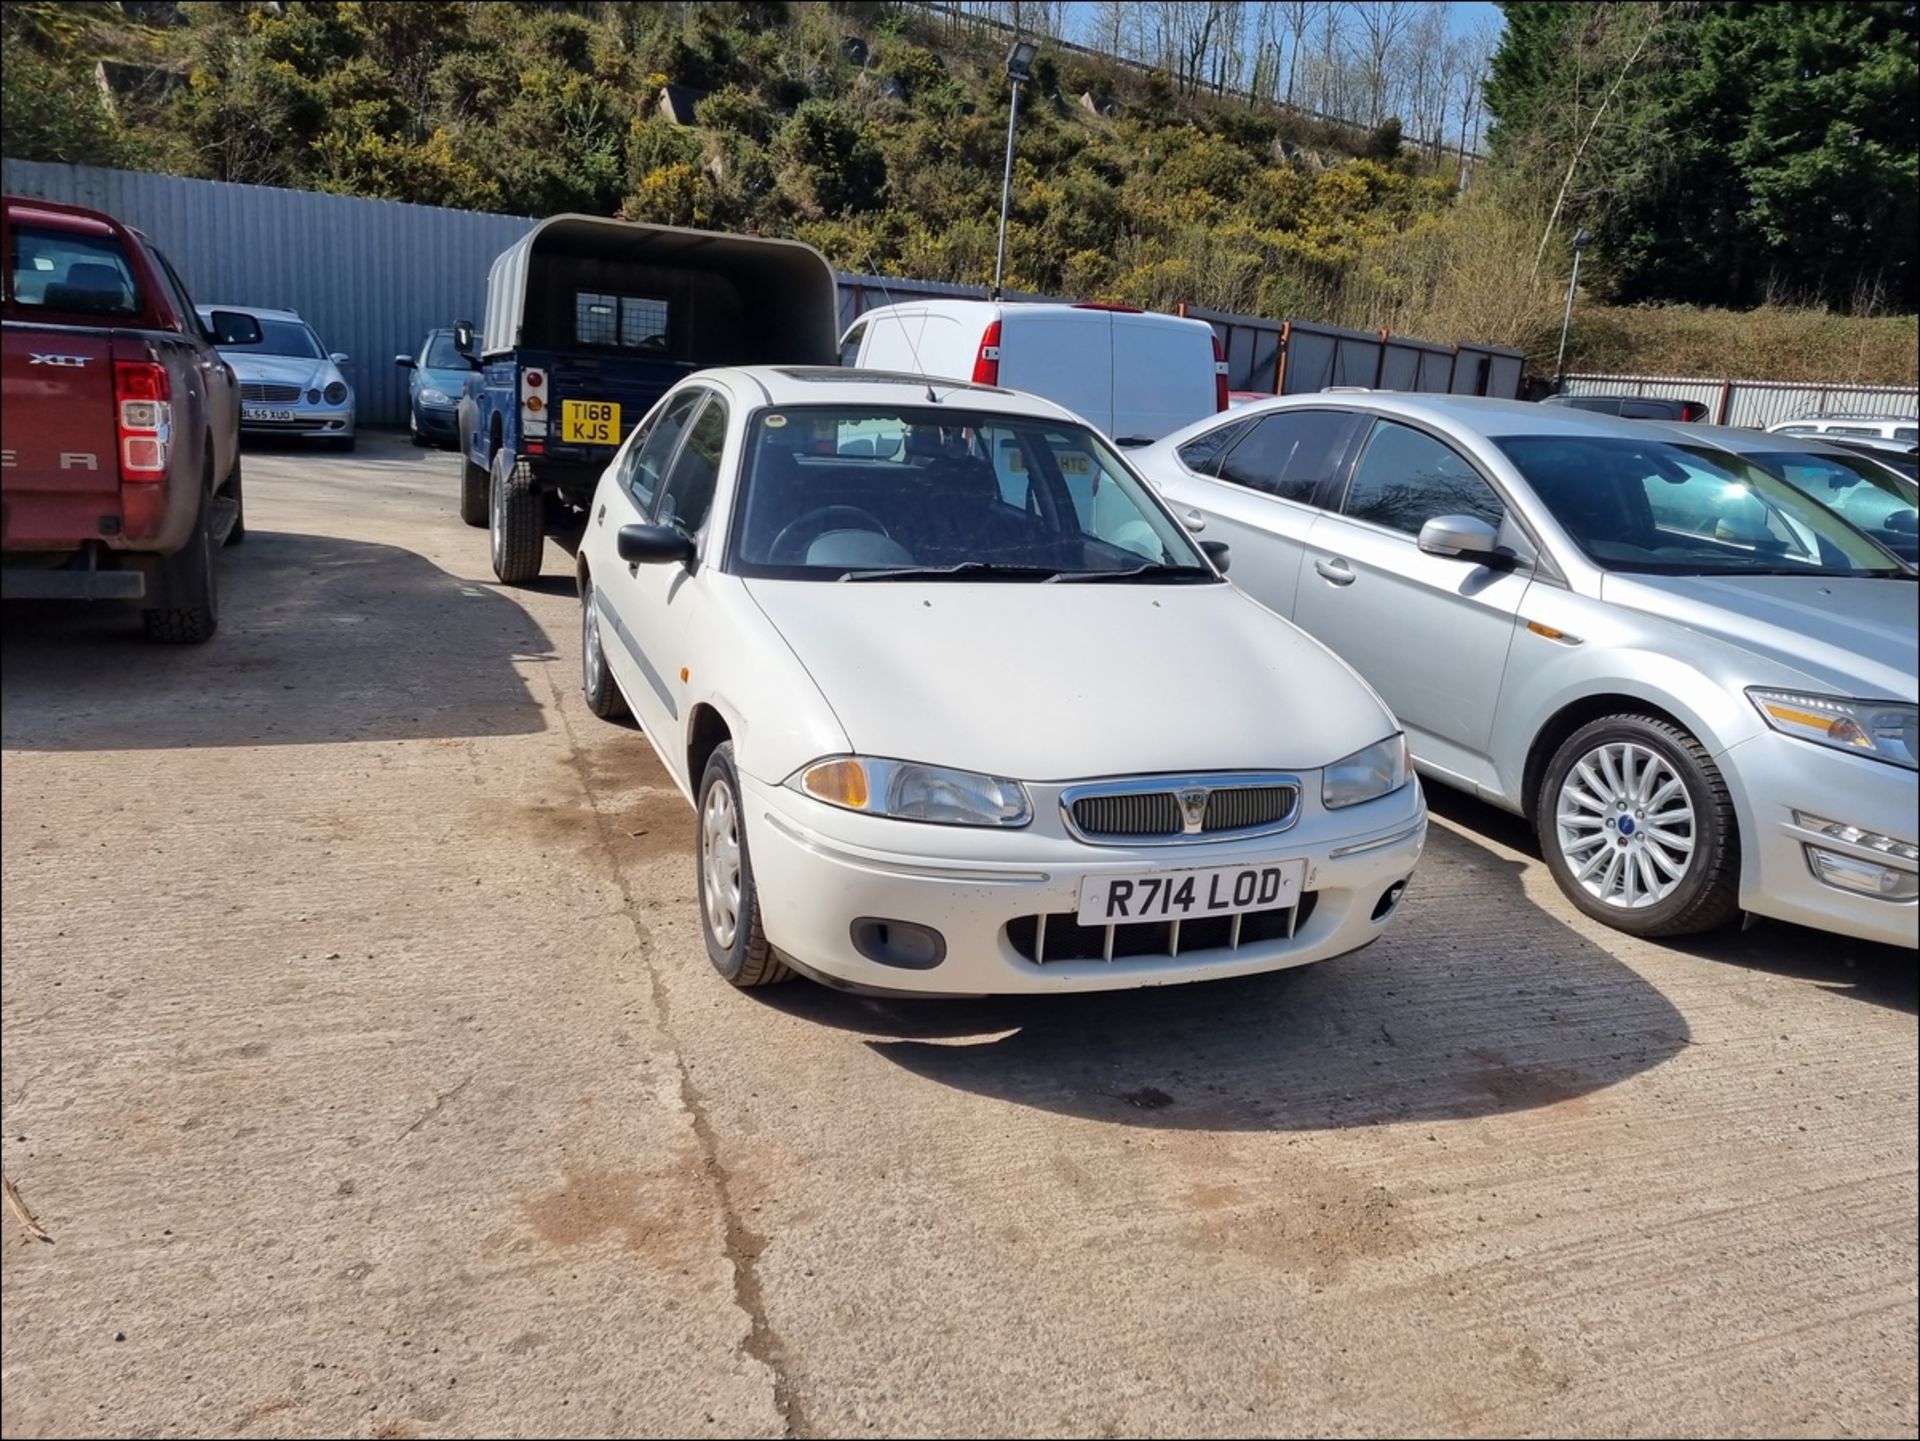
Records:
x=1580, y=239
x=1019, y=68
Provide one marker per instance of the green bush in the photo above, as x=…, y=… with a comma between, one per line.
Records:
x=826, y=163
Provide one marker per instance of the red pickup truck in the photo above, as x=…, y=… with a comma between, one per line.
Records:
x=119, y=422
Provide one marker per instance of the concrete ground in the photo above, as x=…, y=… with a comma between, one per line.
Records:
x=364, y=1065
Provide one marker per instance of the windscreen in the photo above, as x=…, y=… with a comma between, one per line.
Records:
x=850, y=492
x=1668, y=509
x=290, y=338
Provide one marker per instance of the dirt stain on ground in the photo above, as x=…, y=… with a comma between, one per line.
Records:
x=1516, y=1088
x=658, y=1216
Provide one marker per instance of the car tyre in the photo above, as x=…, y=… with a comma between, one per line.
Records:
x=723, y=880
x=186, y=608
x=414, y=432
x=515, y=534
x=474, y=479
x=1638, y=828
x=596, y=680
x=238, y=532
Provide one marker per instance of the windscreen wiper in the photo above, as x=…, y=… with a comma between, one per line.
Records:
x=965, y=570
x=1152, y=571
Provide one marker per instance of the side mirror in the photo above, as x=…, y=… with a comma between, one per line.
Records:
x=463, y=337
x=653, y=545
x=405, y=362
x=1459, y=537
x=339, y=357
x=1220, y=553
x=234, y=327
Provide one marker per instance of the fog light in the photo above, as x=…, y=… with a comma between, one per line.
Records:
x=313, y=397
x=900, y=944
x=1389, y=898
x=1846, y=873
x=1855, y=835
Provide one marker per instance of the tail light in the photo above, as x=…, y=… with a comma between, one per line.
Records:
x=1220, y=398
x=142, y=394
x=986, y=365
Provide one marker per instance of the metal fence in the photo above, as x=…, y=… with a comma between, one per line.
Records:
x=373, y=276
x=1756, y=404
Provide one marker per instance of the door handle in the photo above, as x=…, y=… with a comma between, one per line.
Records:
x=1194, y=521
x=1335, y=570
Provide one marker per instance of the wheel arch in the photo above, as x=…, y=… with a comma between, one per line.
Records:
x=707, y=731
x=1574, y=714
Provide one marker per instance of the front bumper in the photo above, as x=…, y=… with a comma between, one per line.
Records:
x=308, y=420
x=437, y=422
x=818, y=870
x=1773, y=776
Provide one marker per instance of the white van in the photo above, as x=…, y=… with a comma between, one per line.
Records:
x=1881, y=427
x=1133, y=374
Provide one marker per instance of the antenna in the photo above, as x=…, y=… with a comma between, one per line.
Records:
x=913, y=346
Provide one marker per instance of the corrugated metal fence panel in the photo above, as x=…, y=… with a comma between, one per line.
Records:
x=1756, y=403
x=1409, y=362
x=371, y=276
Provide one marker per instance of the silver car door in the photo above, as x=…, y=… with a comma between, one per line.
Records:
x=626, y=593
x=1257, y=493
x=1430, y=633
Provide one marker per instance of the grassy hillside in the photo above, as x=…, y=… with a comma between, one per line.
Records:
x=876, y=132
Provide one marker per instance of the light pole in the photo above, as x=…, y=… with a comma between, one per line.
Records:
x=1580, y=239
x=1019, y=67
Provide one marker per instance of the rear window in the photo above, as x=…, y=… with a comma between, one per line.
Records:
x=628, y=322
x=66, y=271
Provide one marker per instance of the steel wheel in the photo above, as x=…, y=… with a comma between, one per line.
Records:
x=1625, y=825
x=720, y=863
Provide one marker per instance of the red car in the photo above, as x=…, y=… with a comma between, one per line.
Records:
x=119, y=422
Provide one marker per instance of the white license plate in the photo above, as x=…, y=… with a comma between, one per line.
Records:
x=260, y=412
x=1138, y=896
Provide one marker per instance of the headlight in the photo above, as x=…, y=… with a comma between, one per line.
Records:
x=1885, y=730
x=1366, y=775
x=336, y=393
x=430, y=396
x=906, y=791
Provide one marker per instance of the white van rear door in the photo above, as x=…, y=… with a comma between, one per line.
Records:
x=1063, y=354
x=1163, y=376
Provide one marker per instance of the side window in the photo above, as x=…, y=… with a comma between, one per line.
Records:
x=1290, y=453
x=1201, y=455
x=1405, y=478
x=649, y=452
x=687, y=495
x=1906, y=432
x=850, y=347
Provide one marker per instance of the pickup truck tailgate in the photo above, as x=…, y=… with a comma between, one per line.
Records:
x=59, y=467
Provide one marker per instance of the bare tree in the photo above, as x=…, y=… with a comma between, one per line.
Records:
x=1381, y=25
x=1298, y=16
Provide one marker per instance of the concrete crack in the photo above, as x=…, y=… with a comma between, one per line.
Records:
x=434, y=1110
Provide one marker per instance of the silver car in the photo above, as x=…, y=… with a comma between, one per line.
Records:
x=1696, y=682
x=289, y=384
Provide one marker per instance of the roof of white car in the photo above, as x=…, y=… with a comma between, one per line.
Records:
x=835, y=385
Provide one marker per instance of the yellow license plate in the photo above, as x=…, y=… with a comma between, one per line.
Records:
x=590, y=422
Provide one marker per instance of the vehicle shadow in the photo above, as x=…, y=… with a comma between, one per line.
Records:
x=321, y=639
x=1477, y=1002
x=1878, y=974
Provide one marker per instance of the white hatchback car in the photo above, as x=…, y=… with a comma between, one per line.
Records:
x=962, y=708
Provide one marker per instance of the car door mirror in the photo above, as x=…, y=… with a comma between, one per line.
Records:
x=1220, y=553
x=235, y=327
x=1462, y=537
x=653, y=545
x=340, y=357
x=405, y=362
x=463, y=337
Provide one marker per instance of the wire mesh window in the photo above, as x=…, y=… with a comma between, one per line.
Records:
x=634, y=322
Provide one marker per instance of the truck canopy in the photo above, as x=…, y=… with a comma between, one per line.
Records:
x=584, y=281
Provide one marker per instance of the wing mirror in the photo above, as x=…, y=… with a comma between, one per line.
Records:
x=405, y=362
x=1459, y=537
x=339, y=357
x=653, y=545
x=1220, y=553
x=235, y=327
x=463, y=337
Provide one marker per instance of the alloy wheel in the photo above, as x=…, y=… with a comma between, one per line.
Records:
x=1625, y=825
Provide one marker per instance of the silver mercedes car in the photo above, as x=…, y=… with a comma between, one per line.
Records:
x=289, y=384
x=1697, y=682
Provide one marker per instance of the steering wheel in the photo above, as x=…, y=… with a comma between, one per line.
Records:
x=826, y=516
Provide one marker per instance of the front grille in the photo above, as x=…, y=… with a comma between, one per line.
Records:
x=1156, y=813
x=258, y=391
x=1044, y=940
x=1157, y=808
